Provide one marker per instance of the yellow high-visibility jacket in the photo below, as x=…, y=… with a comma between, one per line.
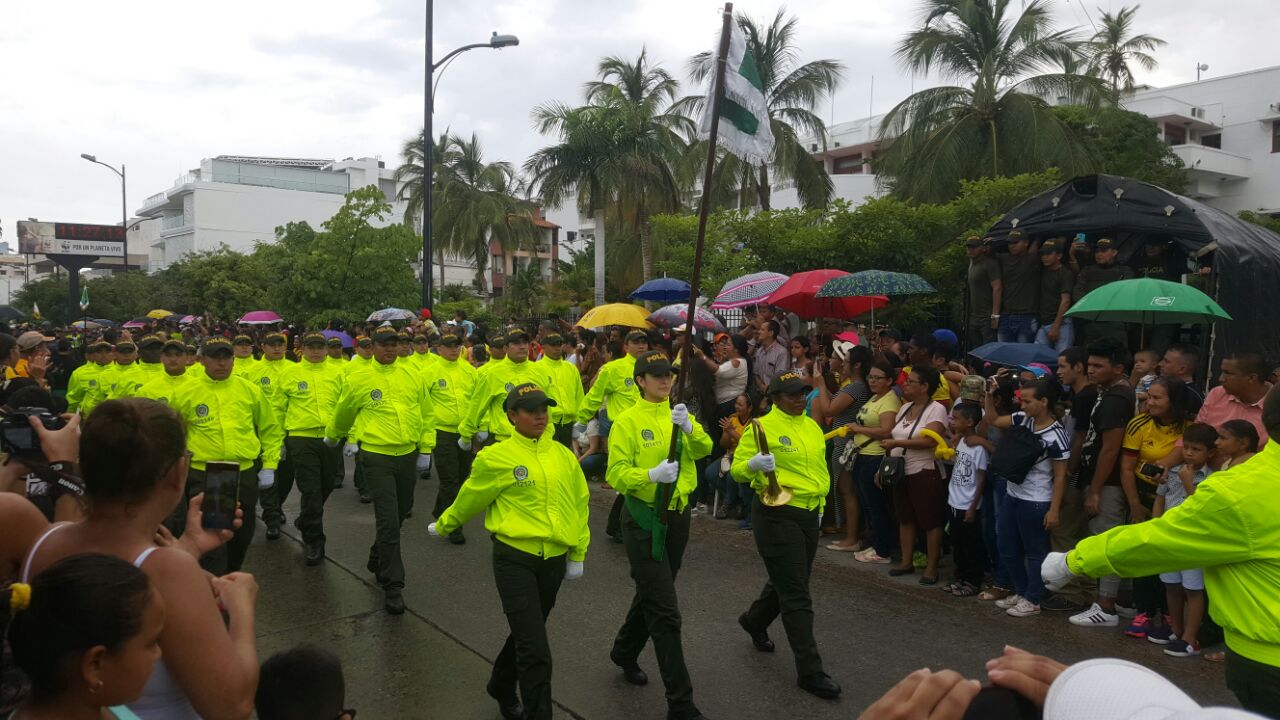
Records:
x=163, y=387
x=228, y=420
x=616, y=381
x=451, y=386
x=485, y=412
x=566, y=383
x=305, y=397
x=799, y=451
x=393, y=409
x=640, y=440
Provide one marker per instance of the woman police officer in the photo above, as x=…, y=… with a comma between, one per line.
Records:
x=535, y=501
x=787, y=535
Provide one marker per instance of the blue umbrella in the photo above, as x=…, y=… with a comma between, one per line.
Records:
x=663, y=290
x=345, y=338
x=1016, y=354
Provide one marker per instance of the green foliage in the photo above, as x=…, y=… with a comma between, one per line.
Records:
x=1126, y=143
x=1114, y=46
x=1265, y=221
x=476, y=312
x=454, y=293
x=50, y=294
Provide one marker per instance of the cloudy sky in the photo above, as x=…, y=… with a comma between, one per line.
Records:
x=160, y=85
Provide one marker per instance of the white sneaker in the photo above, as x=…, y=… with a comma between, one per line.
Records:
x=1127, y=613
x=1095, y=616
x=1007, y=602
x=1024, y=608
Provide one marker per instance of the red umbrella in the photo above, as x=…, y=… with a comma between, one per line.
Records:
x=799, y=295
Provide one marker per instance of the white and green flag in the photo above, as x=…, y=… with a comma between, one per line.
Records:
x=84, y=298
x=744, y=115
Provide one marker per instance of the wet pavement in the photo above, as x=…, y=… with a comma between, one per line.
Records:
x=433, y=661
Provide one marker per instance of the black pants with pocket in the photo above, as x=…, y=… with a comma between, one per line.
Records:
x=272, y=499
x=966, y=544
x=390, y=479
x=528, y=585
x=313, y=463
x=787, y=540
x=453, y=465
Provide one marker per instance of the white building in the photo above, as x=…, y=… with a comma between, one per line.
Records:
x=13, y=274
x=1227, y=132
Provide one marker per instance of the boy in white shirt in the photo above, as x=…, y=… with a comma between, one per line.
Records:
x=964, y=495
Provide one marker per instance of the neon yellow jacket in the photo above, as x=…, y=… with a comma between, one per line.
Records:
x=244, y=364
x=123, y=380
x=640, y=439
x=349, y=366
x=149, y=371
x=393, y=409
x=1230, y=527
x=228, y=420
x=799, y=452
x=451, y=386
x=534, y=495
x=163, y=387
x=616, y=381
x=266, y=375
x=82, y=386
x=425, y=360
x=305, y=397
x=484, y=412
x=566, y=383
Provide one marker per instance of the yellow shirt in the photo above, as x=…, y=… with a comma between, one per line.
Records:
x=869, y=416
x=1150, y=440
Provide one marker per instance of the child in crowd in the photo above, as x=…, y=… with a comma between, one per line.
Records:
x=304, y=683
x=1237, y=442
x=1184, y=590
x=965, y=499
x=1144, y=373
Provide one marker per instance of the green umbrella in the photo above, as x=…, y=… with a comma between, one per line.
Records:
x=1148, y=301
x=875, y=282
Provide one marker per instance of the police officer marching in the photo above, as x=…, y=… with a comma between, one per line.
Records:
x=485, y=414
x=85, y=389
x=390, y=402
x=306, y=394
x=787, y=534
x=655, y=537
x=228, y=419
x=173, y=360
x=535, y=500
x=265, y=375
x=450, y=382
x=566, y=383
x=242, y=346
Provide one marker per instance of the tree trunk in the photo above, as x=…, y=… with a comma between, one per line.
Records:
x=646, y=251
x=440, y=255
x=762, y=188
x=599, y=257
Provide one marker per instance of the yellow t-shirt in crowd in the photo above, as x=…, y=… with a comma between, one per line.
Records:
x=1150, y=440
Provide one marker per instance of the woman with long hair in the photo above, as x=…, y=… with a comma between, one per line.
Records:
x=842, y=409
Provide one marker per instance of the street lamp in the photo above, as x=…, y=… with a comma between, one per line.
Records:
x=124, y=202
x=496, y=42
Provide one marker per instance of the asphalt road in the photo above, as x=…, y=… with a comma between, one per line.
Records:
x=433, y=661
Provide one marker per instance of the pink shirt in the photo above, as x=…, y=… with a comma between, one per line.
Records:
x=1220, y=406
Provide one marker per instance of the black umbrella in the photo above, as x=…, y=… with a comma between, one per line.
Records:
x=8, y=313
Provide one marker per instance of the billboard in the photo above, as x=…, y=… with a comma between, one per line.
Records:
x=57, y=238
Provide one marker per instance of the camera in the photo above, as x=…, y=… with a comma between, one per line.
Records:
x=17, y=437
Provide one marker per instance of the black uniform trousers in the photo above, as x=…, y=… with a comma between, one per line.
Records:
x=528, y=585
x=390, y=480
x=787, y=539
x=613, y=526
x=1256, y=685
x=229, y=557
x=313, y=466
x=655, y=610
x=272, y=499
x=564, y=435
x=453, y=466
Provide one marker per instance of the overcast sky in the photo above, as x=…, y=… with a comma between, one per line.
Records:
x=160, y=85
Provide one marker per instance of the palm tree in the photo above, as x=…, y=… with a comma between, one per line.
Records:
x=474, y=202
x=792, y=92
x=998, y=122
x=1114, y=46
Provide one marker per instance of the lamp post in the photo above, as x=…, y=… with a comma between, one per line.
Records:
x=496, y=42
x=124, y=202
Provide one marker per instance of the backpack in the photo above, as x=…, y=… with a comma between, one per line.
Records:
x=1019, y=450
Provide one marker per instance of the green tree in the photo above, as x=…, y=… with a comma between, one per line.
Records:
x=1126, y=143
x=525, y=292
x=997, y=122
x=220, y=284
x=792, y=92
x=50, y=294
x=1114, y=47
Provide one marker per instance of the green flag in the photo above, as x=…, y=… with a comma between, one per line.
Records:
x=744, y=112
x=84, y=298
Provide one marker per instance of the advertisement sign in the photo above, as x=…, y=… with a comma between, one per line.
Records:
x=56, y=238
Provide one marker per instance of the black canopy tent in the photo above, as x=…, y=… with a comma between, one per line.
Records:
x=1245, y=258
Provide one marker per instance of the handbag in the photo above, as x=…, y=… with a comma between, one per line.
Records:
x=850, y=453
x=894, y=467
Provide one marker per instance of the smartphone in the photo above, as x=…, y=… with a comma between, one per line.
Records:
x=221, y=494
x=1150, y=470
x=1080, y=239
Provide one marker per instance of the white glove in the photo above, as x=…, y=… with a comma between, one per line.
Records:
x=573, y=570
x=331, y=442
x=680, y=418
x=664, y=472
x=266, y=478
x=481, y=436
x=762, y=462
x=1054, y=571
x=431, y=530
x=350, y=449
x=424, y=462
x=464, y=444
x=579, y=428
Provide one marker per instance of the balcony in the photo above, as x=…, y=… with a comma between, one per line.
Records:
x=1165, y=108
x=1212, y=164
x=173, y=222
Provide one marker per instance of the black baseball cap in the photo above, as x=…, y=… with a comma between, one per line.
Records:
x=174, y=345
x=552, y=339
x=362, y=341
x=788, y=382
x=653, y=363
x=973, y=241
x=125, y=347
x=242, y=340
x=99, y=346
x=1104, y=244
x=313, y=338
x=1053, y=245
x=420, y=338
x=635, y=335
x=275, y=337
x=517, y=334
x=150, y=341
x=450, y=340
x=216, y=345
x=334, y=342
x=383, y=335
x=527, y=396
x=499, y=339
x=1017, y=236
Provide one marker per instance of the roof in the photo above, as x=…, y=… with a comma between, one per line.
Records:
x=545, y=223
x=310, y=163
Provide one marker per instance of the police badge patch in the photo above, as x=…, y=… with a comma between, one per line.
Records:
x=786, y=441
x=376, y=394
x=521, y=474
x=508, y=387
x=302, y=385
x=629, y=382
x=202, y=410
x=647, y=435
x=444, y=383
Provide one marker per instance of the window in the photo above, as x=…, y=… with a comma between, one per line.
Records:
x=1175, y=134
x=498, y=263
x=1275, y=136
x=1212, y=141
x=850, y=165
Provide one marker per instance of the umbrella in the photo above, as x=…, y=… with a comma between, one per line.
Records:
x=8, y=312
x=1016, y=354
x=345, y=338
x=799, y=295
x=86, y=325
x=159, y=314
x=188, y=319
x=391, y=313
x=747, y=290
x=675, y=315
x=664, y=290
x=1148, y=301
x=104, y=322
x=615, y=314
x=875, y=282
x=135, y=324
x=260, y=317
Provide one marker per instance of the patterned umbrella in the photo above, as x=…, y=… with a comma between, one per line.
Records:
x=664, y=290
x=260, y=317
x=875, y=282
x=673, y=315
x=799, y=295
x=135, y=324
x=390, y=313
x=87, y=325
x=747, y=290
